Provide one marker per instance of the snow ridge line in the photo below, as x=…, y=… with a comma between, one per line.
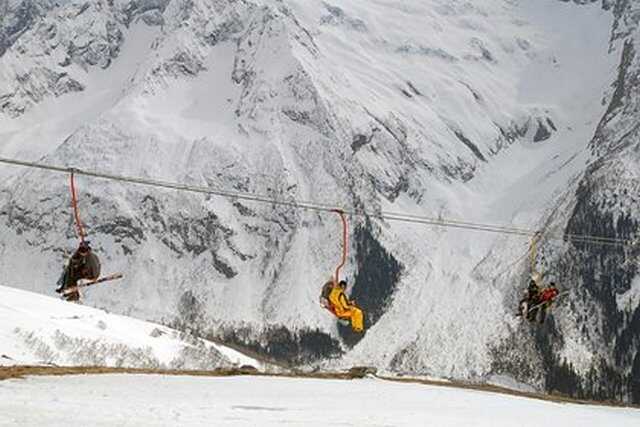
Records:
x=390, y=216
x=355, y=373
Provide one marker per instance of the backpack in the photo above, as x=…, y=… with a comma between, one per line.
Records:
x=324, y=295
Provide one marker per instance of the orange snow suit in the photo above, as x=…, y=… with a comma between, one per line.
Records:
x=344, y=309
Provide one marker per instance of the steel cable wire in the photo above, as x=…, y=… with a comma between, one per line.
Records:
x=322, y=207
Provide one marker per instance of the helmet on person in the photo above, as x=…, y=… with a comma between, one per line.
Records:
x=342, y=283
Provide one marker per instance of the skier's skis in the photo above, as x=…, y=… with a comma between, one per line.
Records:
x=83, y=283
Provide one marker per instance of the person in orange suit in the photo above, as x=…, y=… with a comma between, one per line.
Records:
x=344, y=308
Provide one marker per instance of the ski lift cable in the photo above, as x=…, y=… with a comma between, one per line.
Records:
x=391, y=216
x=297, y=204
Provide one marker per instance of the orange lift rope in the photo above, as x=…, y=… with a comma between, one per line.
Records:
x=344, y=243
x=76, y=214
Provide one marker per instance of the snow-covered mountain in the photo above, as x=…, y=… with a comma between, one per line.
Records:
x=497, y=111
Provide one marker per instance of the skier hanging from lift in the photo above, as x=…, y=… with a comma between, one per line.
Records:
x=344, y=308
x=537, y=303
x=538, y=299
x=333, y=296
x=547, y=296
x=530, y=299
x=83, y=264
x=83, y=268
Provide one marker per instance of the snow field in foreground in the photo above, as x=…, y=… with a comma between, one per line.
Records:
x=154, y=400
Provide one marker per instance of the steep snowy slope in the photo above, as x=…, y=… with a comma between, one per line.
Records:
x=35, y=329
x=478, y=110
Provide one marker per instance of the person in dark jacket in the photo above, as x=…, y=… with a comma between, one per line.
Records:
x=83, y=264
x=528, y=305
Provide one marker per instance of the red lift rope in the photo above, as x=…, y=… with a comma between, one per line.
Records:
x=344, y=243
x=76, y=215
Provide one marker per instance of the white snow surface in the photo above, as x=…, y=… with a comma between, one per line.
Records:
x=145, y=400
x=37, y=329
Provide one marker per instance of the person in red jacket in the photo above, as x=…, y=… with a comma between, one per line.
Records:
x=546, y=298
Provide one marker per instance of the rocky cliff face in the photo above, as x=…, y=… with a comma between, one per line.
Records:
x=438, y=108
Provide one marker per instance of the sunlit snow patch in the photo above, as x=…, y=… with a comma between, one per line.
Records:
x=36, y=329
